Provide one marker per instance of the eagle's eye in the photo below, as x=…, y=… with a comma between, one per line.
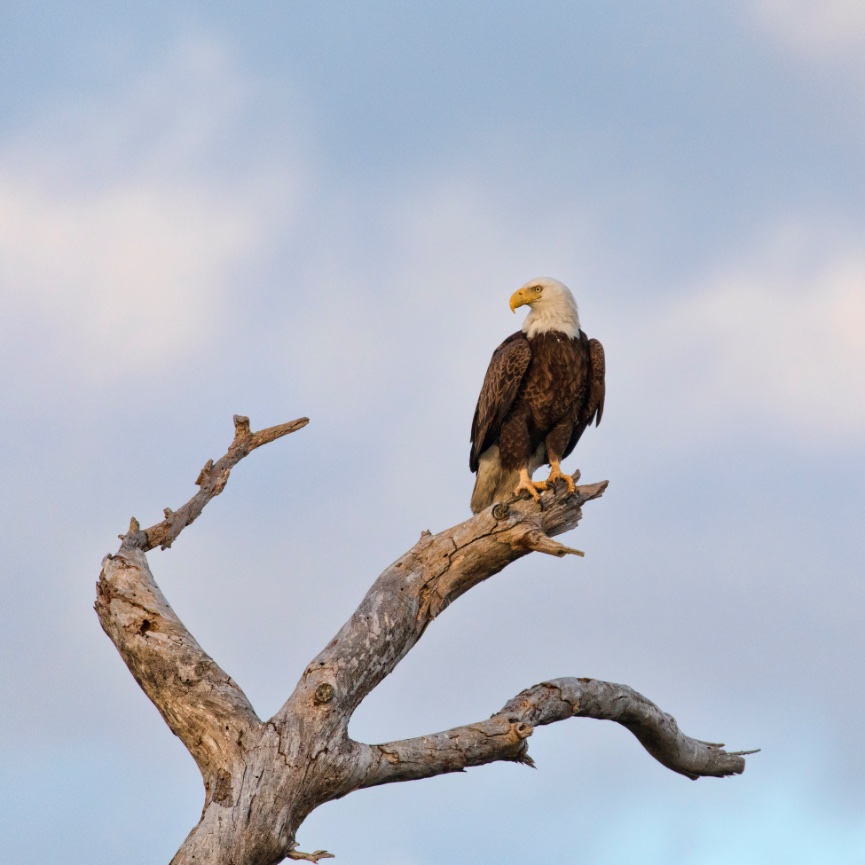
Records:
x=537, y=289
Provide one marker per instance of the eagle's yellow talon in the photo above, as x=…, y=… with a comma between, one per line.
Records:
x=533, y=488
x=557, y=474
x=530, y=489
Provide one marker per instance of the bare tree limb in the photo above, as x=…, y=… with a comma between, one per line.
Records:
x=406, y=598
x=503, y=736
x=498, y=738
x=201, y=704
x=656, y=731
x=211, y=480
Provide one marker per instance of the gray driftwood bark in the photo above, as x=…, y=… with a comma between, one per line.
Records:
x=262, y=778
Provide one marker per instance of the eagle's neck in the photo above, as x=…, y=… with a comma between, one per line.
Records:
x=553, y=313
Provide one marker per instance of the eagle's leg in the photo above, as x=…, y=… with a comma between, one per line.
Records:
x=533, y=488
x=556, y=474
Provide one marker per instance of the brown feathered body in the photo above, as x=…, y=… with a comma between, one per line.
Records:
x=539, y=395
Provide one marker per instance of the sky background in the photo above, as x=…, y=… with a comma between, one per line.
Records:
x=291, y=208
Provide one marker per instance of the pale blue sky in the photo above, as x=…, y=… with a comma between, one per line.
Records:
x=288, y=209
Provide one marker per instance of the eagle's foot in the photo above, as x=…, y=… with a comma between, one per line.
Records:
x=557, y=474
x=526, y=484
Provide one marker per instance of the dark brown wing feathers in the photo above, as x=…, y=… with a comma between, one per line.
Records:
x=597, y=385
x=591, y=407
x=501, y=384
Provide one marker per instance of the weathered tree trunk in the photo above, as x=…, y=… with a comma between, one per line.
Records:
x=262, y=778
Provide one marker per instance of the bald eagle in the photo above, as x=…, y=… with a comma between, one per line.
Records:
x=543, y=387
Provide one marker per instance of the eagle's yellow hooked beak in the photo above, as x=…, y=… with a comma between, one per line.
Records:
x=519, y=298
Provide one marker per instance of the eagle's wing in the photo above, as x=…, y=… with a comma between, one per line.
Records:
x=592, y=408
x=501, y=384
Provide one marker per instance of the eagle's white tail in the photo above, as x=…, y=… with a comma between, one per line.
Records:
x=496, y=484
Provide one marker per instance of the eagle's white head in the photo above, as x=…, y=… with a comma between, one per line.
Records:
x=552, y=307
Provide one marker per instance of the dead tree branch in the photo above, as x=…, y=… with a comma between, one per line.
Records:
x=503, y=736
x=263, y=778
x=201, y=704
x=211, y=480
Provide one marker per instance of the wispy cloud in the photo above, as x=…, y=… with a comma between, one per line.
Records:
x=117, y=245
x=773, y=341
x=824, y=30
